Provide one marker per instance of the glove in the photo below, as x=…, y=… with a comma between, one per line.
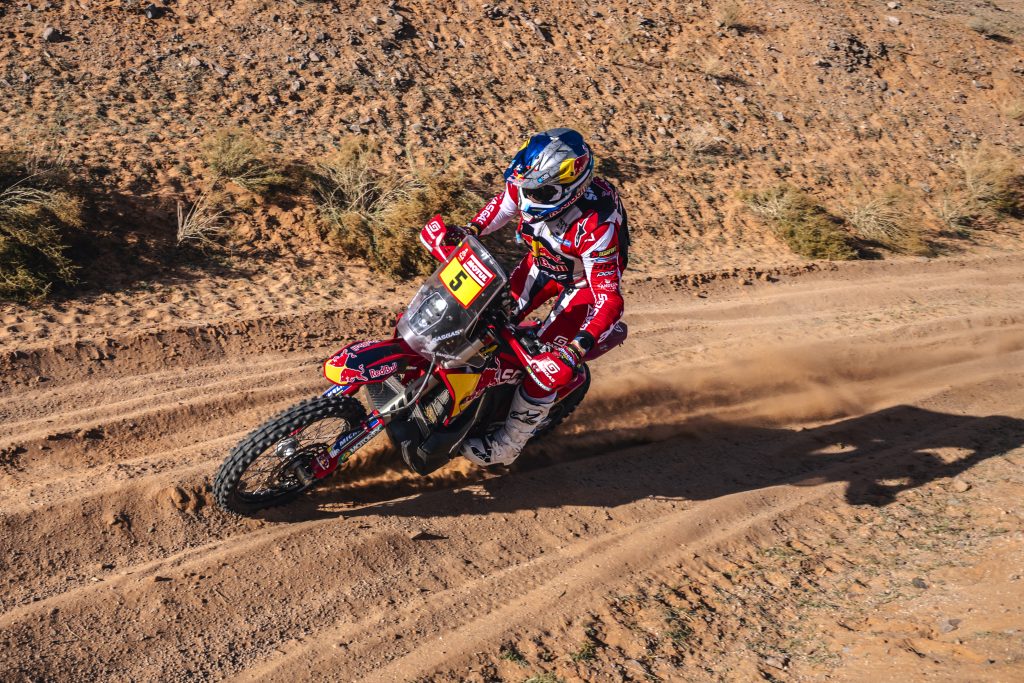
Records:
x=457, y=233
x=555, y=368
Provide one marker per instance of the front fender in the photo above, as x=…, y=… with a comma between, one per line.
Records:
x=367, y=362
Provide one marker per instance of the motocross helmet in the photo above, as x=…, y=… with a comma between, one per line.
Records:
x=552, y=170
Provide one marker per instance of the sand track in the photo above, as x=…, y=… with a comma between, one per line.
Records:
x=758, y=404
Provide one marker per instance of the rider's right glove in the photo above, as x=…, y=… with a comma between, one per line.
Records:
x=555, y=368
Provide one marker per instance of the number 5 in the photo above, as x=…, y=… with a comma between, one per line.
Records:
x=456, y=281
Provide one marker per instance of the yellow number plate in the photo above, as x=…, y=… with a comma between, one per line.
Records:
x=466, y=276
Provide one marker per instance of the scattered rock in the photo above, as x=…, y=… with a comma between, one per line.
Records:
x=854, y=54
x=153, y=12
x=780, y=663
x=634, y=664
x=107, y=566
x=118, y=519
x=780, y=116
x=313, y=56
x=918, y=582
x=948, y=625
x=179, y=498
x=893, y=5
x=893, y=21
x=960, y=486
x=160, y=579
x=52, y=35
x=93, y=434
x=424, y=535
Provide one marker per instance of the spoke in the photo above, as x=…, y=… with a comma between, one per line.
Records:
x=267, y=474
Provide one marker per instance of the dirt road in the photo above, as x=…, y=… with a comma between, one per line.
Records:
x=752, y=445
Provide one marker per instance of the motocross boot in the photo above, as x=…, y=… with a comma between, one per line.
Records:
x=503, y=446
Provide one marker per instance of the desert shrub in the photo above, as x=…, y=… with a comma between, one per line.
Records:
x=38, y=213
x=377, y=215
x=244, y=159
x=890, y=219
x=806, y=227
x=983, y=26
x=202, y=224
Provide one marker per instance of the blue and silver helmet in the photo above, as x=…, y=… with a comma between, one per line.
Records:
x=552, y=170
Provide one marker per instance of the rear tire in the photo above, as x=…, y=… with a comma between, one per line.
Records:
x=229, y=486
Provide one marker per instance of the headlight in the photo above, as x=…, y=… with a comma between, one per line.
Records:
x=430, y=313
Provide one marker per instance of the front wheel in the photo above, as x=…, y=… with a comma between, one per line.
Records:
x=271, y=465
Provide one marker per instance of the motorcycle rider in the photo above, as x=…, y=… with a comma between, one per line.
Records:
x=575, y=227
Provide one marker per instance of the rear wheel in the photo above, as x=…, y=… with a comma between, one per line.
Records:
x=271, y=466
x=561, y=411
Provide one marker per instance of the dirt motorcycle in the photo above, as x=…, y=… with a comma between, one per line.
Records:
x=449, y=372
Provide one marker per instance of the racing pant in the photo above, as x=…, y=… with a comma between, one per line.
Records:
x=531, y=287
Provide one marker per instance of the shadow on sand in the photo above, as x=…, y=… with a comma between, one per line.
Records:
x=878, y=455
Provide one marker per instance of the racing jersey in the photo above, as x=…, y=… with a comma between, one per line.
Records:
x=578, y=249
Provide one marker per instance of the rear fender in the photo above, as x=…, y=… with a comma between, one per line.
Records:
x=615, y=336
x=367, y=362
x=576, y=383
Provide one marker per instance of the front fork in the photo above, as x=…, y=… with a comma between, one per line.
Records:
x=346, y=444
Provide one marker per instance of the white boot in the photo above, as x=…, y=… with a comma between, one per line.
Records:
x=503, y=446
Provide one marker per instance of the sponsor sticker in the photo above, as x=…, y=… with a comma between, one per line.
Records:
x=338, y=371
x=383, y=370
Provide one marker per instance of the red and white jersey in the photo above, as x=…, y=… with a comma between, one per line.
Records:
x=578, y=249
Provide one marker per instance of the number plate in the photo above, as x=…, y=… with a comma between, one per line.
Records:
x=466, y=276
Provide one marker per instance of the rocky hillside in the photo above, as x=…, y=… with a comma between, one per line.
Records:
x=687, y=103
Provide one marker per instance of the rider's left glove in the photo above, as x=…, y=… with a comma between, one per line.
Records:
x=457, y=233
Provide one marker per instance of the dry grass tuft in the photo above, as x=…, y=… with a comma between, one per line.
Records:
x=202, y=224
x=245, y=160
x=38, y=213
x=714, y=67
x=990, y=189
x=805, y=227
x=1013, y=108
x=731, y=14
x=376, y=215
x=890, y=219
x=701, y=139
